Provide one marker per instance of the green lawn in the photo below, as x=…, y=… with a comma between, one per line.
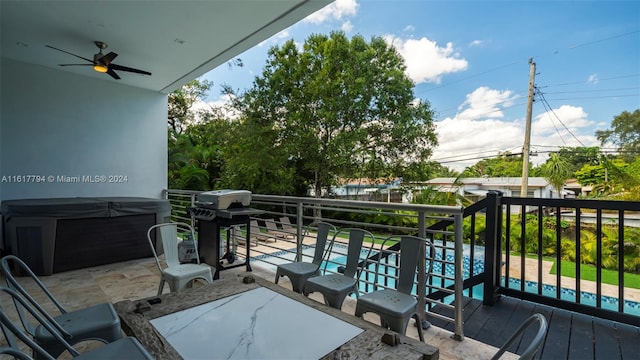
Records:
x=588, y=272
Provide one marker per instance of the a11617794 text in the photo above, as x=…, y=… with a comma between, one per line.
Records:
x=64, y=179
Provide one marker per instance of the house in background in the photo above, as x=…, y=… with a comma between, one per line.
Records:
x=386, y=190
x=476, y=188
x=576, y=188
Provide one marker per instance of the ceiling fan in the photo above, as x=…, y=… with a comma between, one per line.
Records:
x=102, y=63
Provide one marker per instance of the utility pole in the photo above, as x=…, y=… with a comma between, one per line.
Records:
x=527, y=131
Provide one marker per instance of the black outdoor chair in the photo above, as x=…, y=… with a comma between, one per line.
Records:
x=299, y=271
x=336, y=287
x=535, y=344
x=98, y=322
x=397, y=306
x=124, y=348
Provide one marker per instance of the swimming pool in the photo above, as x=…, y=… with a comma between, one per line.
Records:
x=586, y=298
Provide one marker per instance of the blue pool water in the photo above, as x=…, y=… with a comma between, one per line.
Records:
x=586, y=298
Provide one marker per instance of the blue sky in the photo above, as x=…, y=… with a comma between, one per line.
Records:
x=469, y=59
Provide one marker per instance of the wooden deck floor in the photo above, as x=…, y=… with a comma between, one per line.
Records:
x=570, y=335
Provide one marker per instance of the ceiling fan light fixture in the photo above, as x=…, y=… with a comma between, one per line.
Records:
x=100, y=68
x=102, y=63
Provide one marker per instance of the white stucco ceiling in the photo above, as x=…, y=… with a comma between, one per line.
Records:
x=176, y=41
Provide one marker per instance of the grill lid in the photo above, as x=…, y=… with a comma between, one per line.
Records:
x=224, y=199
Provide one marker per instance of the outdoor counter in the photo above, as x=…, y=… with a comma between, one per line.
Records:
x=234, y=319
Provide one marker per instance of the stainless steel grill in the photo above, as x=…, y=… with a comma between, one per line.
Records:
x=215, y=211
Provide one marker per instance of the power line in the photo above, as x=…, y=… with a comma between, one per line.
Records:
x=520, y=61
x=544, y=104
x=607, y=152
x=570, y=149
x=469, y=77
x=598, y=97
x=451, y=115
x=477, y=158
x=601, y=40
x=586, y=81
x=585, y=91
x=454, y=115
x=500, y=152
x=541, y=96
x=544, y=101
x=558, y=146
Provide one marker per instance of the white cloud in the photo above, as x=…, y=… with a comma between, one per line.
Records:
x=409, y=28
x=347, y=26
x=480, y=130
x=560, y=123
x=334, y=11
x=484, y=103
x=593, y=79
x=221, y=106
x=476, y=43
x=284, y=34
x=548, y=132
x=470, y=139
x=477, y=126
x=425, y=60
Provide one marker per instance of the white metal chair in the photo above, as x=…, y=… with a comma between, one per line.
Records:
x=177, y=275
x=299, y=271
x=535, y=344
x=99, y=322
x=336, y=287
x=124, y=348
x=397, y=306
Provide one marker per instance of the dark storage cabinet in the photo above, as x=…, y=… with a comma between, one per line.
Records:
x=61, y=234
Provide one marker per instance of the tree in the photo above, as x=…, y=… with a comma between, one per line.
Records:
x=591, y=174
x=195, y=148
x=612, y=177
x=181, y=101
x=505, y=165
x=183, y=172
x=624, y=133
x=422, y=171
x=556, y=170
x=336, y=107
x=577, y=157
x=430, y=195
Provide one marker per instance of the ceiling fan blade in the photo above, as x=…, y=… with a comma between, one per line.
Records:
x=75, y=64
x=124, y=68
x=78, y=56
x=107, y=59
x=113, y=74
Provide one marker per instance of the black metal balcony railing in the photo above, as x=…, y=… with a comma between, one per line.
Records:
x=555, y=230
x=485, y=250
x=379, y=218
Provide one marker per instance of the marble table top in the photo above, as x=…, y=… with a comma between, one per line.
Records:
x=237, y=319
x=256, y=324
